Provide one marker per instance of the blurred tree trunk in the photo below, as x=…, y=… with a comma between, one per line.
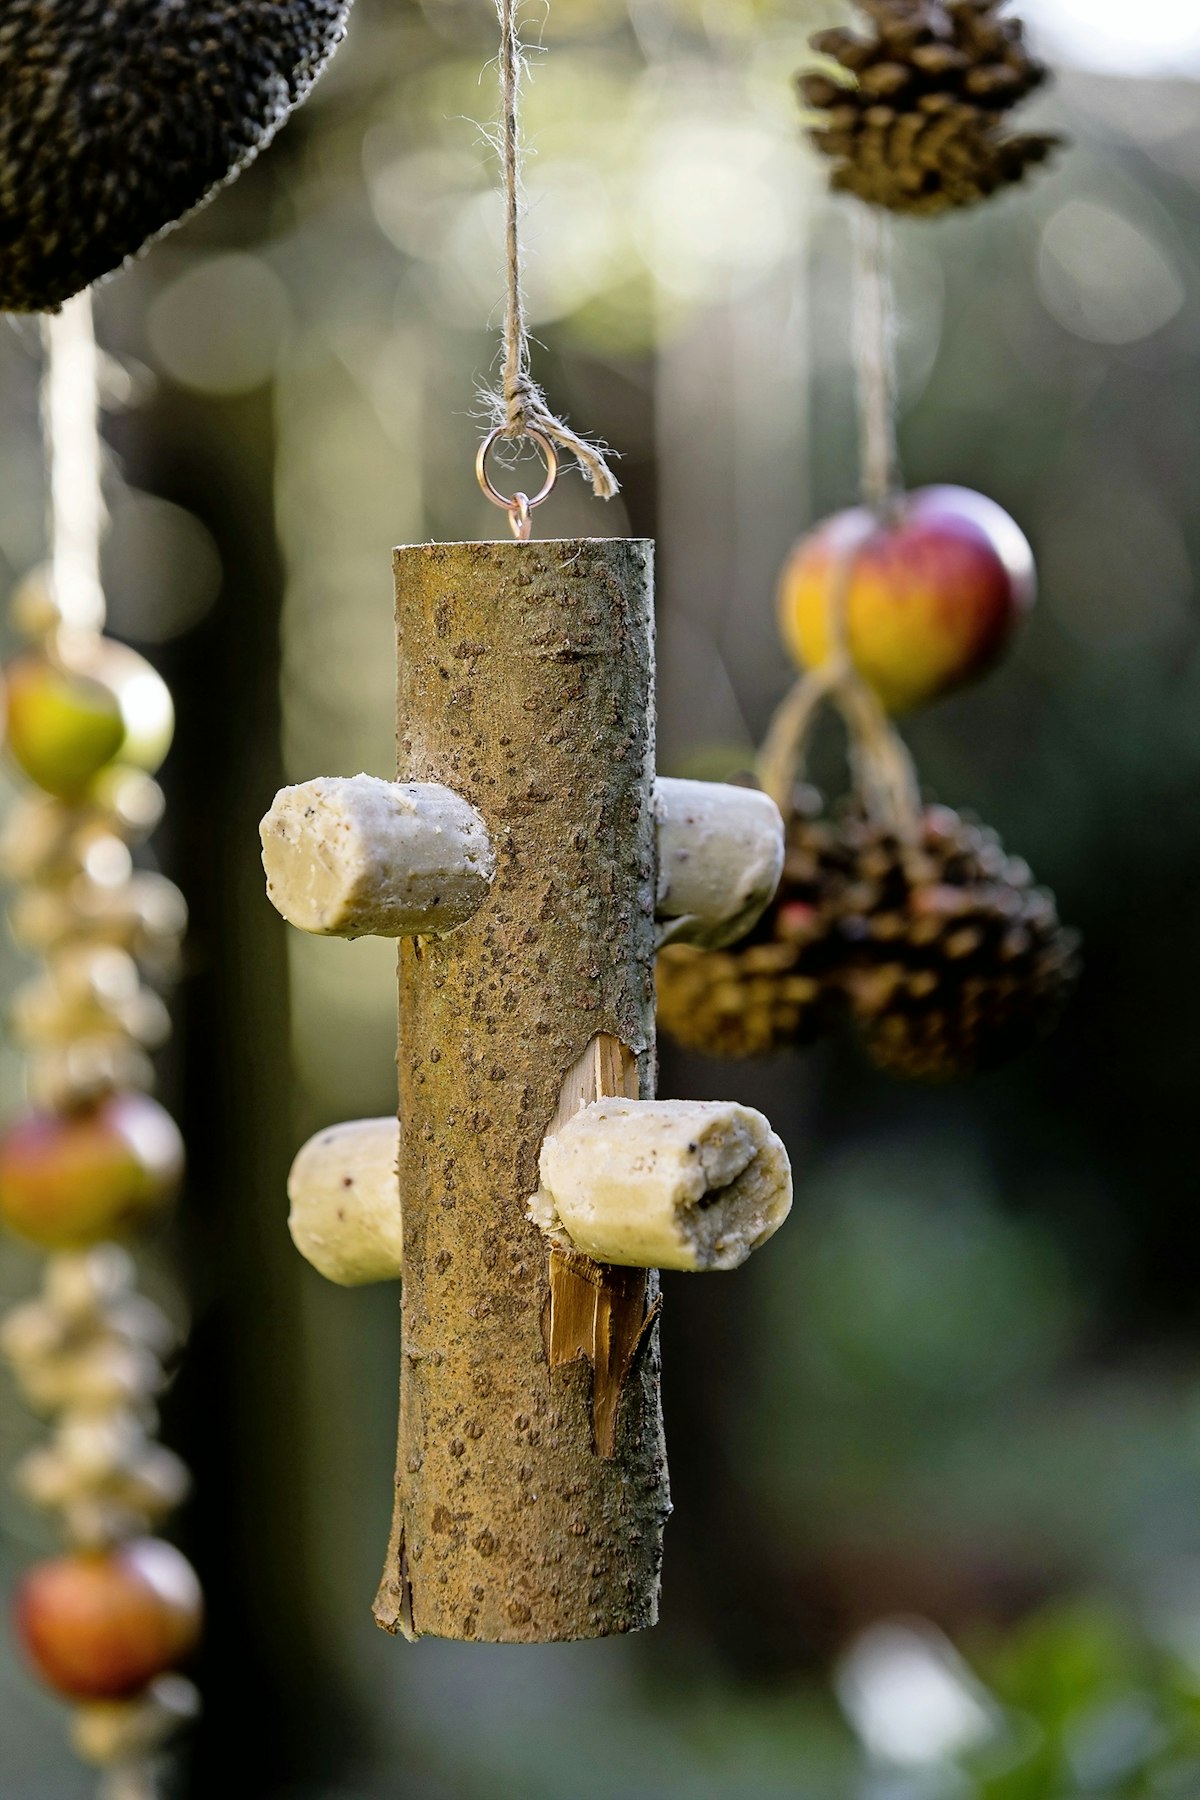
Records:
x=234, y=1412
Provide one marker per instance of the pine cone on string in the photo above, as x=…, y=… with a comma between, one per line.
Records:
x=961, y=962
x=778, y=986
x=920, y=125
x=950, y=960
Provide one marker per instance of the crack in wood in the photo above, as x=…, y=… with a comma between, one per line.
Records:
x=596, y=1311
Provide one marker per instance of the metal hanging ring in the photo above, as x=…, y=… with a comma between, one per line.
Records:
x=520, y=506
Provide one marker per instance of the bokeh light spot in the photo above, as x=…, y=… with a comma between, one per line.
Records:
x=219, y=327
x=1103, y=278
x=162, y=568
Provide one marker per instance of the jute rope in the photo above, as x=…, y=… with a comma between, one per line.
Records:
x=884, y=776
x=520, y=407
x=71, y=429
x=875, y=357
x=131, y=1781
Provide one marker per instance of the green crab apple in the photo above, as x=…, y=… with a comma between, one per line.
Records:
x=63, y=724
x=74, y=1178
x=934, y=591
x=69, y=720
x=103, y=1624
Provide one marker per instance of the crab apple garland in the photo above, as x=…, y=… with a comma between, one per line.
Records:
x=90, y=1353
x=94, y=1172
x=63, y=726
x=71, y=715
x=94, y=1157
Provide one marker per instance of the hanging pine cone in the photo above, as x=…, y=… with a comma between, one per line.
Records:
x=778, y=986
x=920, y=127
x=951, y=960
x=961, y=962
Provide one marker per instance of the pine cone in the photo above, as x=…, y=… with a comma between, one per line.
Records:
x=952, y=962
x=961, y=963
x=778, y=986
x=920, y=127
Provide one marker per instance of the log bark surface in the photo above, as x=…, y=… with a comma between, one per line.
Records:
x=526, y=684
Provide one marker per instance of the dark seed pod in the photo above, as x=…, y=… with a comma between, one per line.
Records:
x=118, y=117
x=918, y=124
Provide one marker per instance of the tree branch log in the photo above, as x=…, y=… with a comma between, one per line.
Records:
x=526, y=686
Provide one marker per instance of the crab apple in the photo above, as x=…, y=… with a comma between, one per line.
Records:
x=63, y=724
x=74, y=1178
x=935, y=591
x=103, y=1624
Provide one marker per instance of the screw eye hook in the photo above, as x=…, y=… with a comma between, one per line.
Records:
x=520, y=506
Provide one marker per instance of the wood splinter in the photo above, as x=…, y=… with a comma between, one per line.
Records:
x=529, y=862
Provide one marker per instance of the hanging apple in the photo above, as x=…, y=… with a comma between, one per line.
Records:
x=935, y=591
x=70, y=1179
x=102, y=1624
x=64, y=725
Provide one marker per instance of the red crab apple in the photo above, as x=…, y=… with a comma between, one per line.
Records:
x=935, y=592
x=102, y=1624
x=74, y=1178
x=63, y=725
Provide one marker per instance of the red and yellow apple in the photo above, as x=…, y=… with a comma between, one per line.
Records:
x=63, y=724
x=75, y=1178
x=102, y=1624
x=934, y=592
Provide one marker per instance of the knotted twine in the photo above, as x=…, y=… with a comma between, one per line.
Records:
x=520, y=406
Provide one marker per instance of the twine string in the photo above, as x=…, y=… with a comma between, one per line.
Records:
x=782, y=755
x=74, y=451
x=875, y=358
x=520, y=407
x=884, y=776
x=129, y=1781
